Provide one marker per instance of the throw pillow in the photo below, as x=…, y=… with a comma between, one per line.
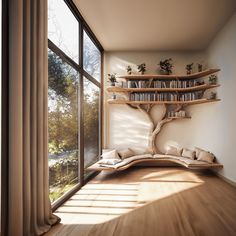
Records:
x=126, y=153
x=110, y=155
x=206, y=156
x=188, y=153
x=174, y=151
x=197, y=151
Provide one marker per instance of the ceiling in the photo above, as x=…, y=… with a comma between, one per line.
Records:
x=155, y=24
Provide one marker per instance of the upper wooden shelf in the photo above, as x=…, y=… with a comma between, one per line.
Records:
x=169, y=77
x=189, y=89
x=191, y=102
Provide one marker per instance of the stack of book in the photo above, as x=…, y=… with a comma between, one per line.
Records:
x=143, y=97
x=155, y=96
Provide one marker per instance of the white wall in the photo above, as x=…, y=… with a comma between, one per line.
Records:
x=222, y=54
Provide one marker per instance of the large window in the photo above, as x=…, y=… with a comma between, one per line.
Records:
x=63, y=126
x=63, y=28
x=74, y=76
x=91, y=123
x=92, y=58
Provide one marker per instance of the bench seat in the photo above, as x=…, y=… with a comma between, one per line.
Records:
x=155, y=160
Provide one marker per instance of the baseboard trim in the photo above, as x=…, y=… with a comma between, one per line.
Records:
x=229, y=181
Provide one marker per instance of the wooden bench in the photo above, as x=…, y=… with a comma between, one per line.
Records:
x=157, y=160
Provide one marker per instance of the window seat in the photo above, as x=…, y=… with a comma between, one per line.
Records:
x=155, y=160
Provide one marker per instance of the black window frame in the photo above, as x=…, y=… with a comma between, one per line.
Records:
x=83, y=26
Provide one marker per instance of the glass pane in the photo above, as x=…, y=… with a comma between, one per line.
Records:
x=92, y=58
x=91, y=124
x=63, y=28
x=62, y=126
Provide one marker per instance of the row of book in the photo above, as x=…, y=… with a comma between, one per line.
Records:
x=154, y=96
x=159, y=84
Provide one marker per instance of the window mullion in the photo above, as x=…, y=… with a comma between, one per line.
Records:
x=81, y=113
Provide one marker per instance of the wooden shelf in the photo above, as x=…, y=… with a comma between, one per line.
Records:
x=196, y=88
x=192, y=102
x=171, y=77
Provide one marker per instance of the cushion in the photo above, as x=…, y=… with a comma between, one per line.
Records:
x=188, y=153
x=174, y=151
x=128, y=160
x=206, y=156
x=109, y=161
x=110, y=155
x=107, y=150
x=197, y=151
x=126, y=153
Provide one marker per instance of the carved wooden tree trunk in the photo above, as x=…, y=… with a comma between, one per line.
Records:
x=155, y=129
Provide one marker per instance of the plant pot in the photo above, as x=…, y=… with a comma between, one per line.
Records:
x=164, y=72
x=112, y=84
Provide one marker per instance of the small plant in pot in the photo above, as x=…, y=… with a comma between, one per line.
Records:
x=166, y=66
x=142, y=68
x=212, y=79
x=213, y=95
x=199, y=67
x=189, y=68
x=112, y=79
x=129, y=70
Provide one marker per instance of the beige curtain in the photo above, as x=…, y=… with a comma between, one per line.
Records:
x=29, y=210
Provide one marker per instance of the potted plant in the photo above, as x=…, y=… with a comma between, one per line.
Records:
x=212, y=79
x=112, y=79
x=142, y=68
x=129, y=70
x=199, y=67
x=166, y=66
x=213, y=95
x=189, y=68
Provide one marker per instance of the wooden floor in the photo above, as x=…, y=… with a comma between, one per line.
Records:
x=150, y=201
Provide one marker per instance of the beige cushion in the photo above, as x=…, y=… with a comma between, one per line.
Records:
x=197, y=151
x=109, y=161
x=107, y=150
x=206, y=156
x=129, y=160
x=174, y=151
x=126, y=153
x=113, y=154
x=188, y=153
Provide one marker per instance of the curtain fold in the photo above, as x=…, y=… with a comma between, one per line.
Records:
x=29, y=208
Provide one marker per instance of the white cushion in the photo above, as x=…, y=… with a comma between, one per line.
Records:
x=179, y=158
x=197, y=151
x=188, y=153
x=129, y=160
x=109, y=161
x=107, y=150
x=174, y=151
x=125, y=153
x=110, y=155
x=206, y=157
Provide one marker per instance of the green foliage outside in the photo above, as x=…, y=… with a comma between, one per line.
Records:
x=63, y=125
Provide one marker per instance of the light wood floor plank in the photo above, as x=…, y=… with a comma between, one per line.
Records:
x=150, y=201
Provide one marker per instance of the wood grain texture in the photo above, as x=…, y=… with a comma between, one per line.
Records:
x=172, y=76
x=149, y=201
x=189, y=89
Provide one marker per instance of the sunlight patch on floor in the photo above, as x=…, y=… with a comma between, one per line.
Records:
x=99, y=203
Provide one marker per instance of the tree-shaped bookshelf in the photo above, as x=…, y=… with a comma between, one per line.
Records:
x=174, y=92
